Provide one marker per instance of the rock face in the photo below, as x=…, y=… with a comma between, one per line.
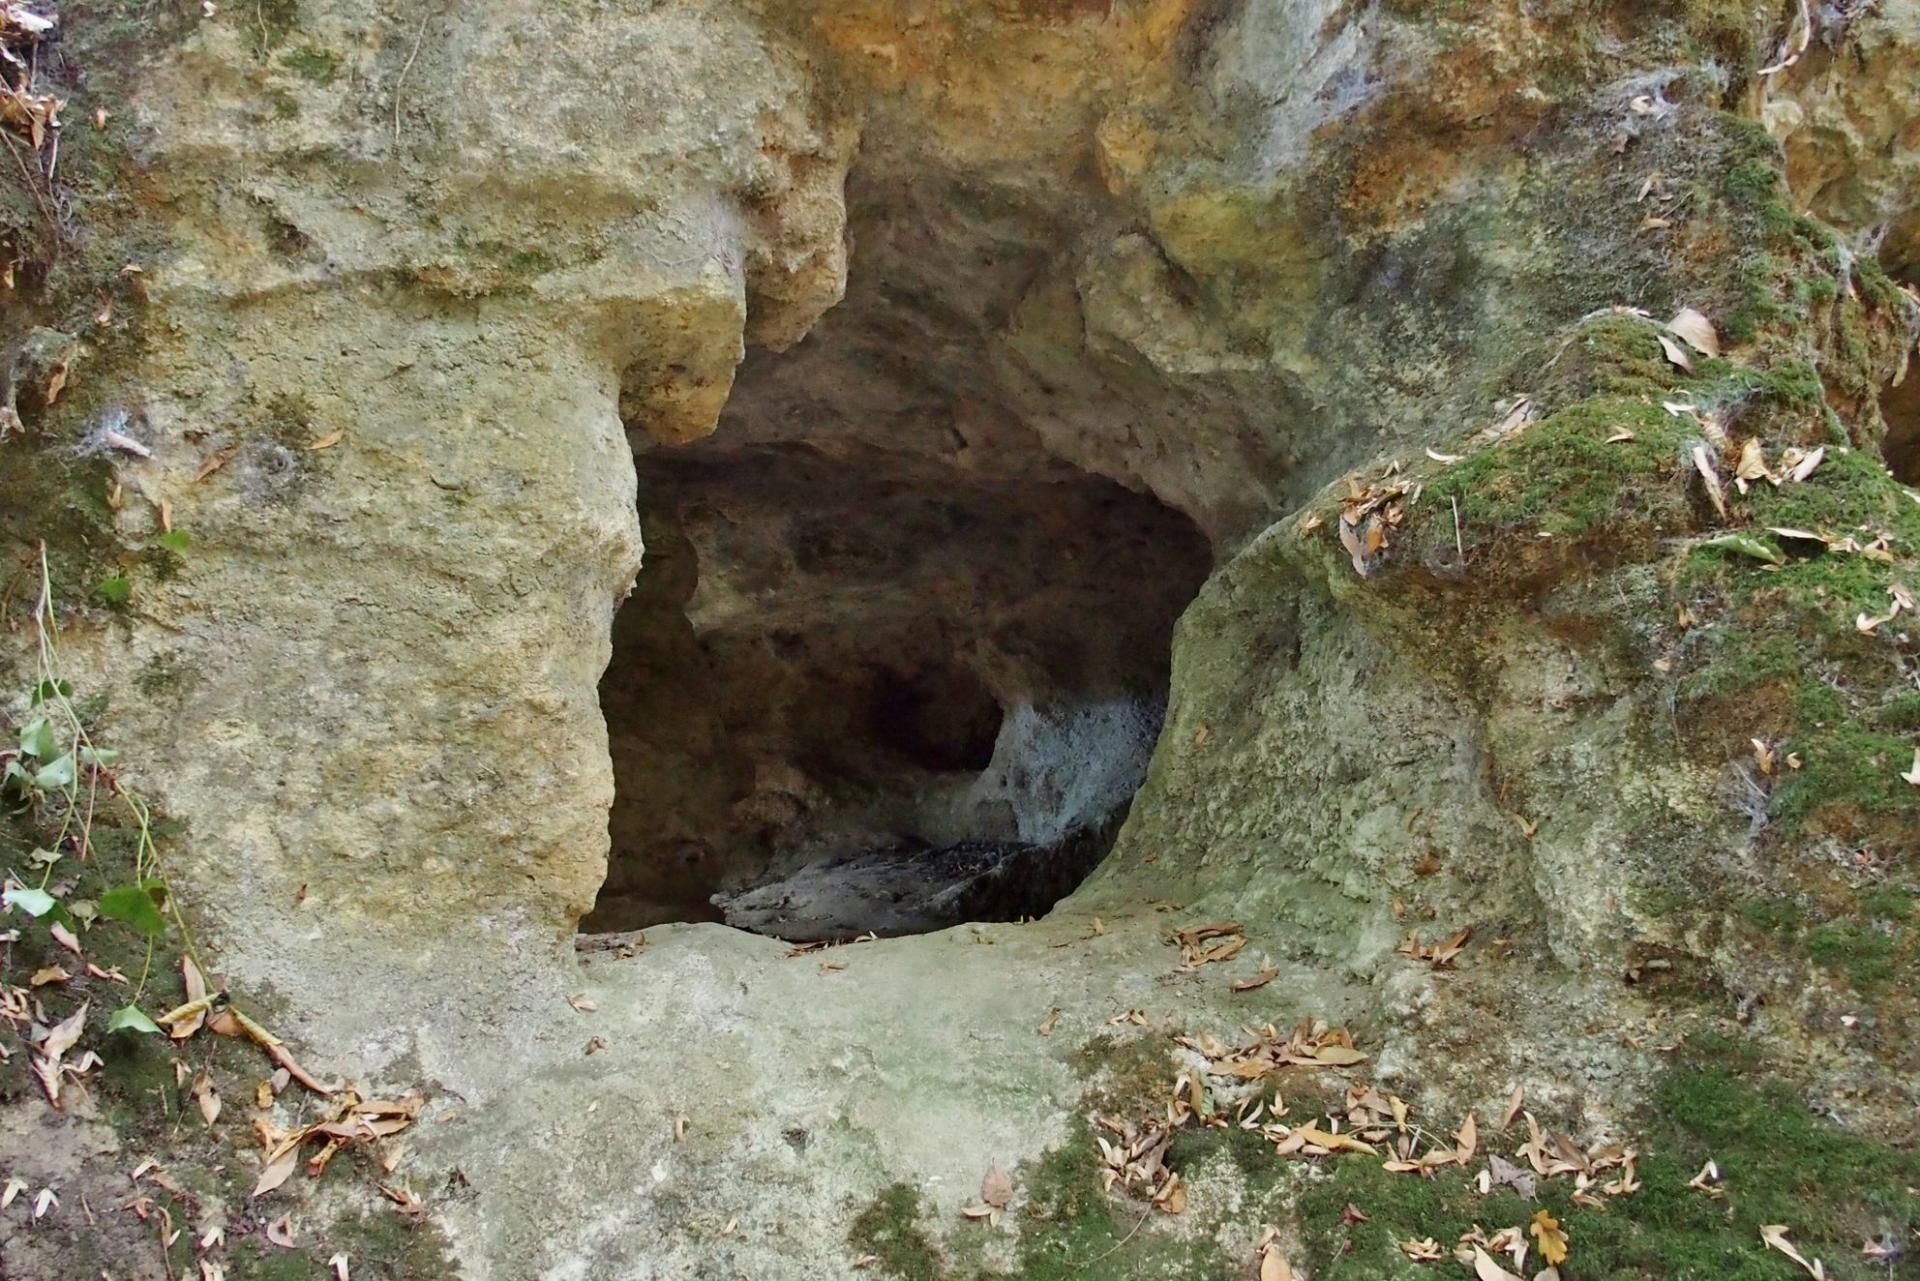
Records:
x=939, y=351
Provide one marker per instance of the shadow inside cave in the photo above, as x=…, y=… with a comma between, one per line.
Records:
x=874, y=694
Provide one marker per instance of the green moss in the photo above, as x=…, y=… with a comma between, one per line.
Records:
x=1780, y=1164
x=1888, y=904
x=1566, y=476
x=1071, y=1228
x=1865, y=953
x=266, y=24
x=1774, y=915
x=1780, y=654
x=310, y=62
x=1724, y=31
x=1851, y=768
x=889, y=1229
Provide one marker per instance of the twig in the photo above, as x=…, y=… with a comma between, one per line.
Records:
x=1082, y=1267
x=1457, y=546
x=401, y=80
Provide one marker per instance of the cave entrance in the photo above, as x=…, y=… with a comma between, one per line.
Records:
x=856, y=691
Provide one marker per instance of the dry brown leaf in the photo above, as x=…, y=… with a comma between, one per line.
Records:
x=278, y=1169
x=1803, y=468
x=64, y=1034
x=1514, y=1101
x=65, y=937
x=1266, y=975
x=1774, y=1235
x=996, y=1188
x=1425, y=1250
x=328, y=441
x=1676, y=353
x=1466, y=1139
x=1703, y=463
x=1487, y=1270
x=204, y=1094
x=1274, y=1265
x=409, y=1204
x=1696, y=330
x=1356, y=548
x=215, y=461
x=1046, y=1024
x=1335, y=1142
x=1338, y=1055
x=50, y=974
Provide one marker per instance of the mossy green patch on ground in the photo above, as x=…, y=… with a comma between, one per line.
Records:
x=889, y=1231
x=310, y=62
x=1570, y=474
x=1780, y=1164
x=1863, y=952
x=1780, y=653
x=1070, y=1227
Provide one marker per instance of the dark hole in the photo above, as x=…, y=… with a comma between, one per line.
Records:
x=939, y=719
x=860, y=694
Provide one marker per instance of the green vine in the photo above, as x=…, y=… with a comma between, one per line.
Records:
x=67, y=781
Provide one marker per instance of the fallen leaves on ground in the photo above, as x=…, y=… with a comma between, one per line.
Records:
x=1367, y=513
x=1708, y=1181
x=1273, y=1261
x=1696, y=331
x=1899, y=598
x=1709, y=474
x=353, y=1121
x=1774, y=1235
x=1206, y=944
x=1439, y=955
x=1267, y=973
x=1311, y=1043
x=996, y=1194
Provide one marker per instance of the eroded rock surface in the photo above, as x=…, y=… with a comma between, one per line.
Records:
x=956, y=343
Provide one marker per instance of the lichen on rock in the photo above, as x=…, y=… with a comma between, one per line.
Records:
x=1510, y=402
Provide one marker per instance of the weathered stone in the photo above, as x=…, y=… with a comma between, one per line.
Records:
x=958, y=290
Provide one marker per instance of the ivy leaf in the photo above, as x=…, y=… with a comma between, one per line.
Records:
x=117, y=590
x=135, y=905
x=56, y=774
x=31, y=901
x=46, y=690
x=176, y=540
x=36, y=739
x=133, y=1018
